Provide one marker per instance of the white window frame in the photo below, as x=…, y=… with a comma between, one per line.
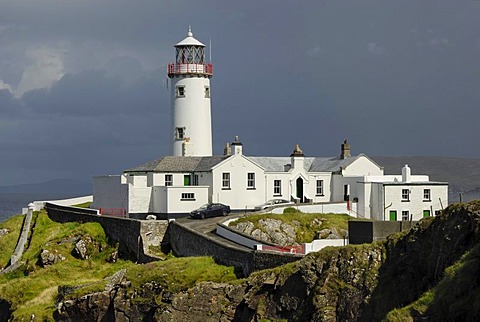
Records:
x=251, y=180
x=180, y=91
x=277, y=187
x=405, y=215
x=195, y=179
x=226, y=180
x=188, y=196
x=427, y=195
x=319, y=187
x=180, y=133
x=405, y=194
x=168, y=180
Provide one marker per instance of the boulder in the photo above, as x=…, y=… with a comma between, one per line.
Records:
x=4, y=231
x=50, y=258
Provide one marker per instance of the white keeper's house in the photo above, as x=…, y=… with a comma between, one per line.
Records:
x=174, y=185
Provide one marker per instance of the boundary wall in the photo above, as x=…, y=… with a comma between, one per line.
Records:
x=248, y=241
x=134, y=236
x=188, y=242
x=39, y=205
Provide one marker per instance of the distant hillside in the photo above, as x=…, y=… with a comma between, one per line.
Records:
x=52, y=186
x=462, y=174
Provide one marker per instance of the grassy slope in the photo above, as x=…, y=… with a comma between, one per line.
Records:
x=9, y=241
x=306, y=230
x=33, y=289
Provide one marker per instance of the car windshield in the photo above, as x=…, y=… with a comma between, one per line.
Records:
x=205, y=206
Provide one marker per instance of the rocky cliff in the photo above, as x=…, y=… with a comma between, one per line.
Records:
x=409, y=276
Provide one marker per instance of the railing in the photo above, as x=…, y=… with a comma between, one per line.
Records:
x=113, y=212
x=300, y=249
x=175, y=69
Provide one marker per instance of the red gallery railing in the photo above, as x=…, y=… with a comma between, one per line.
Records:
x=175, y=69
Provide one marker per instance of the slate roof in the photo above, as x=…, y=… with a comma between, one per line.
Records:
x=270, y=164
x=311, y=164
x=179, y=164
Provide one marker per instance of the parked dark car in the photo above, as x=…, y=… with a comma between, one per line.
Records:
x=210, y=210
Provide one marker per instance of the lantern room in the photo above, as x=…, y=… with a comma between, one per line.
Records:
x=190, y=58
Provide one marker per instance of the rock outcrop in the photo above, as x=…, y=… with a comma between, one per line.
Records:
x=352, y=283
x=50, y=258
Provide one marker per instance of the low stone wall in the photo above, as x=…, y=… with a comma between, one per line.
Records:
x=188, y=242
x=134, y=236
x=17, y=254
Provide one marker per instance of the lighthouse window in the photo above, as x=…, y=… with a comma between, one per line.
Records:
x=207, y=92
x=180, y=91
x=180, y=133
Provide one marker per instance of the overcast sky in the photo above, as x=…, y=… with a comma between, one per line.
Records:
x=83, y=82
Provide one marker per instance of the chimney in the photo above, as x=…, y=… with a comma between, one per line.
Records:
x=227, y=150
x=237, y=146
x=345, y=150
x=186, y=147
x=297, y=157
x=406, y=172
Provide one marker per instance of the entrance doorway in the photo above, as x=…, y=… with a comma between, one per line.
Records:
x=300, y=189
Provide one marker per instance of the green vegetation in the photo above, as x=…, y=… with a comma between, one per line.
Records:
x=457, y=295
x=84, y=205
x=306, y=225
x=33, y=289
x=9, y=241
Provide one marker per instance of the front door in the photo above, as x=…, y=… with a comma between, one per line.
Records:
x=393, y=215
x=426, y=213
x=300, y=189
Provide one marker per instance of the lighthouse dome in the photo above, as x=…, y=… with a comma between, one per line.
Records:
x=189, y=40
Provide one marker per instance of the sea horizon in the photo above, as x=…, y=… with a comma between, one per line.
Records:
x=11, y=203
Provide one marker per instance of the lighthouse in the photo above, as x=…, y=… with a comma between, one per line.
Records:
x=190, y=98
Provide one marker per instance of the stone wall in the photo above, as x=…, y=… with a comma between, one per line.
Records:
x=134, y=236
x=187, y=242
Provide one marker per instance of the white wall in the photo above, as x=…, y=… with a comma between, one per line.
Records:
x=363, y=166
x=319, y=244
x=192, y=112
x=334, y=208
x=238, y=197
x=174, y=202
x=108, y=192
x=416, y=204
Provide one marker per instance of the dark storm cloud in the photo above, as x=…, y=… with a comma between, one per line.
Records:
x=396, y=78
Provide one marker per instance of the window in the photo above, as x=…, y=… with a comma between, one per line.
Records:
x=277, y=187
x=188, y=196
x=207, y=92
x=405, y=195
x=195, y=179
x=180, y=133
x=168, y=180
x=426, y=195
x=437, y=212
x=319, y=187
x=250, y=180
x=180, y=91
x=405, y=215
x=226, y=180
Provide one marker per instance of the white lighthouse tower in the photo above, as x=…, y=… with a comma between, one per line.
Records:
x=191, y=112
